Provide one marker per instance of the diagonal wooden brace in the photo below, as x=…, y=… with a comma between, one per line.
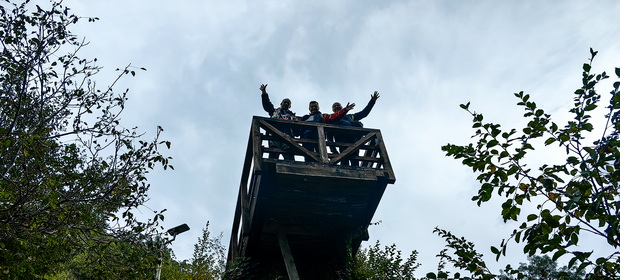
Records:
x=288, y=140
x=288, y=256
x=353, y=148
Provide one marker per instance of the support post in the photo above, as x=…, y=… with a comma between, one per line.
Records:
x=288, y=256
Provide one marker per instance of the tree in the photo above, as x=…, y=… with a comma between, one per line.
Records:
x=573, y=198
x=70, y=172
x=208, y=260
x=387, y=263
x=112, y=260
x=544, y=268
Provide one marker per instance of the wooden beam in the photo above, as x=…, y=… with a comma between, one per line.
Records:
x=371, y=153
x=256, y=145
x=326, y=171
x=387, y=165
x=288, y=256
x=322, y=147
x=241, y=201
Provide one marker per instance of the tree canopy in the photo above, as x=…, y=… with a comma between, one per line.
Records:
x=543, y=268
x=70, y=171
x=555, y=203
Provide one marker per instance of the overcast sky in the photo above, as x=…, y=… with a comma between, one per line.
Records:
x=206, y=60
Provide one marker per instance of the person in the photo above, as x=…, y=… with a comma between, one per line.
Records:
x=284, y=113
x=315, y=115
x=354, y=121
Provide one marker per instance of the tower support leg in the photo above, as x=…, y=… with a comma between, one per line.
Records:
x=288, y=256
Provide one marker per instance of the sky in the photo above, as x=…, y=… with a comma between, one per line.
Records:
x=206, y=60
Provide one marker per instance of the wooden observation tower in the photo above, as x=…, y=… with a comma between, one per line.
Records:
x=305, y=216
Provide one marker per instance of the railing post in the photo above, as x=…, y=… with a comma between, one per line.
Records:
x=322, y=145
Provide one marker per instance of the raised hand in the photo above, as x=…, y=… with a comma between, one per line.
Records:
x=375, y=95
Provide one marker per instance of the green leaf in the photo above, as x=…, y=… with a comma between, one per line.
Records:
x=593, y=53
x=548, y=184
x=431, y=275
x=532, y=217
x=494, y=250
x=492, y=143
x=590, y=107
x=539, y=112
x=558, y=254
x=586, y=67
x=618, y=72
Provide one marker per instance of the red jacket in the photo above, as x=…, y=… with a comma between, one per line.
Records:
x=324, y=118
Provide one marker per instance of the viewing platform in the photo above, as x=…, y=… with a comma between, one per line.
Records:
x=305, y=215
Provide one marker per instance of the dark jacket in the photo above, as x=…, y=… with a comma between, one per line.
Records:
x=354, y=119
x=276, y=113
x=324, y=118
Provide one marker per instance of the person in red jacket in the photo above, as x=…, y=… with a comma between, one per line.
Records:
x=316, y=116
x=351, y=120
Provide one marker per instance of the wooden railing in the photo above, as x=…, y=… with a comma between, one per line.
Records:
x=298, y=143
x=300, y=137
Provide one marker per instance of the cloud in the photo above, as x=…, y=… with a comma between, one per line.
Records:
x=207, y=59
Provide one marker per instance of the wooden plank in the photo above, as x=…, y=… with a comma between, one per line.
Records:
x=371, y=153
x=305, y=170
x=321, y=142
x=241, y=200
x=233, y=249
x=387, y=165
x=248, y=217
x=256, y=145
x=288, y=256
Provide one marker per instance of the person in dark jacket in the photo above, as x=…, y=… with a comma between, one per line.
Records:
x=315, y=115
x=351, y=120
x=284, y=113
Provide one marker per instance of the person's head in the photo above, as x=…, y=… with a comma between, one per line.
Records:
x=336, y=107
x=313, y=107
x=285, y=104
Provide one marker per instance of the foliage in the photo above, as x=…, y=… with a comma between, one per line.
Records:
x=208, y=260
x=574, y=198
x=467, y=258
x=70, y=172
x=112, y=260
x=241, y=268
x=387, y=263
x=543, y=268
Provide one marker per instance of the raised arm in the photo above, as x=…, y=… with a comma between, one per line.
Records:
x=327, y=118
x=267, y=105
x=364, y=113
